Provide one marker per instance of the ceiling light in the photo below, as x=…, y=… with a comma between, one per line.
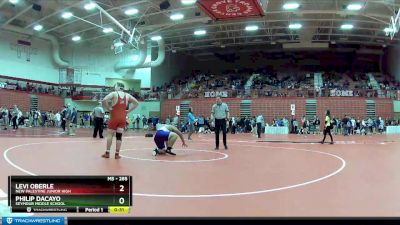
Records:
x=291, y=5
x=188, y=2
x=67, y=15
x=131, y=11
x=200, y=32
x=76, y=38
x=108, y=30
x=176, y=16
x=354, y=7
x=90, y=6
x=347, y=26
x=156, y=38
x=38, y=27
x=13, y=1
x=295, y=26
x=251, y=28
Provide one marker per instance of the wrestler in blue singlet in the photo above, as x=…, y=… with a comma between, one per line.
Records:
x=161, y=137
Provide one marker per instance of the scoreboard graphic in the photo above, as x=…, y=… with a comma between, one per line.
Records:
x=70, y=194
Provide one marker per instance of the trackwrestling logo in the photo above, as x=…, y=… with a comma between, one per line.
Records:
x=33, y=220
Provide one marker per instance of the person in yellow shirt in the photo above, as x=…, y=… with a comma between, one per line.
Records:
x=328, y=127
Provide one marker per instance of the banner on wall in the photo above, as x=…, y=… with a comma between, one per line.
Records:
x=341, y=93
x=213, y=94
x=293, y=109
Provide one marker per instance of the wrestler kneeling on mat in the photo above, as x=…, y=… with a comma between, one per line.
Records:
x=120, y=100
x=169, y=134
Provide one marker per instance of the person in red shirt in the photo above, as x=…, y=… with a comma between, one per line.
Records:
x=120, y=100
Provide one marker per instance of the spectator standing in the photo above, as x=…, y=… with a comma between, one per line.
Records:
x=191, y=120
x=29, y=117
x=328, y=127
x=14, y=118
x=58, y=119
x=73, y=121
x=234, y=125
x=63, y=118
x=259, y=122
x=285, y=123
x=137, y=121
x=5, y=117
x=149, y=122
x=345, y=121
x=144, y=121
x=296, y=126
x=317, y=124
x=35, y=115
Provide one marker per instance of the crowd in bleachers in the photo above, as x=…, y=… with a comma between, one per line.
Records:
x=270, y=84
x=95, y=93
x=263, y=84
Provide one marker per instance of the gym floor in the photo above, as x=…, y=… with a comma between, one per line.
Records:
x=287, y=175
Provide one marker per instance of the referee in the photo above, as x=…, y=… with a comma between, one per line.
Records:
x=98, y=116
x=219, y=114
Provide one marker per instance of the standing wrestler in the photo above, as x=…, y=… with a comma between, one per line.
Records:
x=120, y=101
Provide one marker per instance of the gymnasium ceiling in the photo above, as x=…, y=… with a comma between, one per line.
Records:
x=321, y=21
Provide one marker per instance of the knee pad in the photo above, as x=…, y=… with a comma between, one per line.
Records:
x=118, y=136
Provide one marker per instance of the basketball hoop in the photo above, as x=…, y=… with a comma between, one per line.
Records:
x=134, y=39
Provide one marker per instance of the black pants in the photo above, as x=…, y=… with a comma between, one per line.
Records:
x=327, y=131
x=259, y=130
x=220, y=125
x=233, y=129
x=98, y=126
x=14, y=123
x=63, y=124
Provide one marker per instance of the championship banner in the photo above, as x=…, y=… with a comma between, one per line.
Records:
x=213, y=94
x=231, y=9
x=341, y=93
